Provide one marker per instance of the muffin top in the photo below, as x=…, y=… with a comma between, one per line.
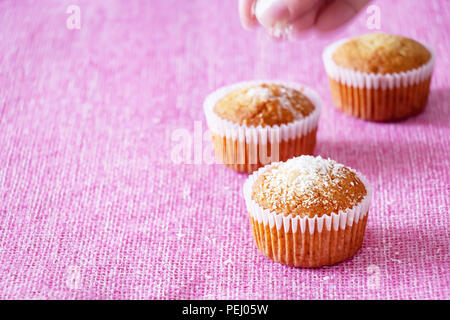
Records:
x=263, y=105
x=381, y=53
x=308, y=186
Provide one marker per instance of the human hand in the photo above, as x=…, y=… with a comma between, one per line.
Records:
x=291, y=17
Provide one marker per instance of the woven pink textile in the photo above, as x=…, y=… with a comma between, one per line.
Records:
x=92, y=205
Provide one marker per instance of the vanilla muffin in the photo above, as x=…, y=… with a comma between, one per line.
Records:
x=307, y=211
x=256, y=123
x=379, y=77
x=264, y=105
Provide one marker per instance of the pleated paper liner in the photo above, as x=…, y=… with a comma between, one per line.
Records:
x=307, y=242
x=378, y=97
x=247, y=148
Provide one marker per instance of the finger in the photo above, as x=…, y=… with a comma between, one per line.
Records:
x=337, y=13
x=299, y=8
x=248, y=19
x=271, y=13
x=305, y=21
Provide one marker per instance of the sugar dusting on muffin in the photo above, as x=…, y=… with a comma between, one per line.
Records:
x=284, y=96
x=308, y=186
x=264, y=105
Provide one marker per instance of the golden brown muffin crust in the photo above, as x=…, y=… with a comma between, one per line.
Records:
x=308, y=186
x=381, y=53
x=263, y=105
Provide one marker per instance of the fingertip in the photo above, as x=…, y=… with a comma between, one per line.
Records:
x=271, y=13
x=249, y=24
x=246, y=14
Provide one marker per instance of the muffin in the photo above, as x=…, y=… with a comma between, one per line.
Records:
x=307, y=211
x=379, y=77
x=255, y=123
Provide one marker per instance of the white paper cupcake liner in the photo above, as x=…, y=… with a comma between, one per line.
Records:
x=371, y=80
x=261, y=135
x=341, y=220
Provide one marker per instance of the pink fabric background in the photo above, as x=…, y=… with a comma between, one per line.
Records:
x=92, y=206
